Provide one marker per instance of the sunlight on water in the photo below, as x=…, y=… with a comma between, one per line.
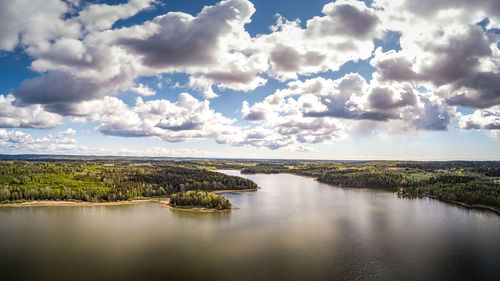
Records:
x=293, y=228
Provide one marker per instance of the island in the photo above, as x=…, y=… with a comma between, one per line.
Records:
x=199, y=200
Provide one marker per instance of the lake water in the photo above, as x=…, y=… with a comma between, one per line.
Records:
x=293, y=228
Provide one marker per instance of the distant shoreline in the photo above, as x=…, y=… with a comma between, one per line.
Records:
x=462, y=204
x=235, y=190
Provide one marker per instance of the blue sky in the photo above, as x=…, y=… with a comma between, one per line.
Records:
x=253, y=79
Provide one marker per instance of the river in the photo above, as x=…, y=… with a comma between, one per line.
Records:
x=293, y=228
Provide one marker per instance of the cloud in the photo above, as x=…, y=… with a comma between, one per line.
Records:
x=67, y=132
x=481, y=119
x=185, y=120
x=54, y=89
x=313, y=110
x=12, y=141
x=33, y=116
x=102, y=16
x=209, y=46
x=85, y=62
x=345, y=32
x=183, y=40
x=443, y=49
x=143, y=90
x=343, y=17
x=33, y=22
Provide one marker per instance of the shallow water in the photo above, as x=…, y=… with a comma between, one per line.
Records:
x=293, y=228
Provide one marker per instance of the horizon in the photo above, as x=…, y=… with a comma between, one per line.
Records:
x=160, y=158
x=265, y=80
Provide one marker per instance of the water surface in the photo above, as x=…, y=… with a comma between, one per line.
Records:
x=293, y=228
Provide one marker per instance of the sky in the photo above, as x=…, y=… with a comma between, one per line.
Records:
x=341, y=80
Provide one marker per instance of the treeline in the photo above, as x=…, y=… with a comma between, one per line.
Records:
x=463, y=181
x=474, y=192
x=265, y=169
x=96, y=181
x=199, y=198
x=382, y=180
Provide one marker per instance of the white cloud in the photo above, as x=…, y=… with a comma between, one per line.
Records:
x=32, y=116
x=12, y=141
x=143, y=90
x=443, y=49
x=67, y=132
x=321, y=110
x=98, y=17
x=84, y=62
x=482, y=119
x=345, y=32
x=30, y=22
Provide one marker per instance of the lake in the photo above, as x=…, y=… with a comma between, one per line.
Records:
x=293, y=228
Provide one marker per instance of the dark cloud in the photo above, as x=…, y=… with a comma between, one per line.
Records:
x=60, y=92
x=285, y=59
x=433, y=116
x=231, y=77
x=479, y=90
x=352, y=21
x=395, y=68
x=255, y=116
x=187, y=125
x=458, y=58
x=454, y=67
x=184, y=40
x=55, y=87
x=347, y=110
x=383, y=98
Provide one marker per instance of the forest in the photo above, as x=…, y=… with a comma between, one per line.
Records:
x=109, y=180
x=99, y=180
x=199, y=198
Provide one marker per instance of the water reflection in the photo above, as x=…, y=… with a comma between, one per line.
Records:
x=294, y=228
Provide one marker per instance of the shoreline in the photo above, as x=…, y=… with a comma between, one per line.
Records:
x=164, y=201
x=234, y=190
x=198, y=209
x=62, y=203
x=462, y=204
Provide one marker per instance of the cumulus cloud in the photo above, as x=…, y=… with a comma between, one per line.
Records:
x=446, y=60
x=185, y=120
x=345, y=32
x=443, y=49
x=343, y=17
x=319, y=104
x=183, y=40
x=482, y=119
x=102, y=16
x=33, y=22
x=67, y=132
x=12, y=141
x=33, y=116
x=143, y=90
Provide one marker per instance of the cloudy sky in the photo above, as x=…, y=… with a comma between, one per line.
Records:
x=382, y=79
